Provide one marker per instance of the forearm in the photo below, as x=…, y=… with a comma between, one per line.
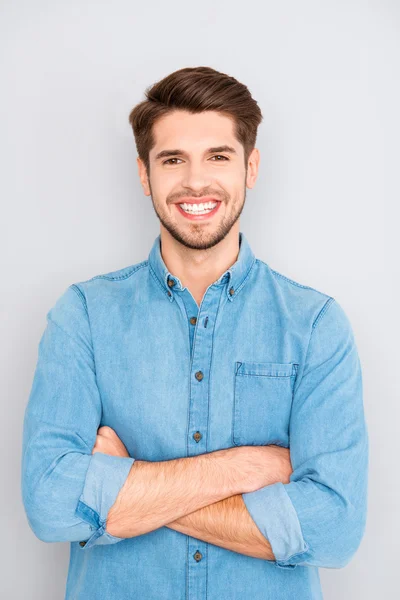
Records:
x=156, y=493
x=228, y=524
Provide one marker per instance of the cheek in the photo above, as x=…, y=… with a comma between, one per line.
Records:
x=232, y=181
x=163, y=189
x=166, y=180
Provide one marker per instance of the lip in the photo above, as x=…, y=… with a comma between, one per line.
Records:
x=198, y=217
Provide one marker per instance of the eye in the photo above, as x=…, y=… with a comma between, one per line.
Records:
x=169, y=161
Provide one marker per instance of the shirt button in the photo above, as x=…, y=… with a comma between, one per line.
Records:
x=82, y=543
x=169, y=293
x=231, y=291
x=193, y=320
x=171, y=282
x=197, y=436
x=199, y=375
x=198, y=556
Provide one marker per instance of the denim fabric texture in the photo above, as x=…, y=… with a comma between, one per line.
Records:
x=280, y=366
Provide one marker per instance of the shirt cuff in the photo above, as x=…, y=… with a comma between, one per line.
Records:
x=275, y=516
x=104, y=479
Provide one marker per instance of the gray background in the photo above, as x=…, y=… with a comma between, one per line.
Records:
x=324, y=210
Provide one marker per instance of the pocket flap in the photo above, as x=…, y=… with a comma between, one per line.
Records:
x=268, y=369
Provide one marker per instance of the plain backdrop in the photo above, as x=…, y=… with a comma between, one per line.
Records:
x=324, y=211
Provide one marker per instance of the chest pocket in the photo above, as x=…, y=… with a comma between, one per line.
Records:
x=263, y=394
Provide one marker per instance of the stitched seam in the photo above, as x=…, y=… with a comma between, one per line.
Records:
x=323, y=311
x=75, y=342
x=158, y=281
x=89, y=325
x=244, y=280
x=240, y=374
x=318, y=319
x=209, y=368
x=119, y=277
x=306, y=287
x=65, y=332
x=80, y=295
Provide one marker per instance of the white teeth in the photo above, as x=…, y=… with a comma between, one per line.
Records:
x=198, y=209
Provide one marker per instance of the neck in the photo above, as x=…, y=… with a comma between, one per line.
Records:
x=197, y=269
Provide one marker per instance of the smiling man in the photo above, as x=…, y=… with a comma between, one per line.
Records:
x=195, y=427
x=198, y=190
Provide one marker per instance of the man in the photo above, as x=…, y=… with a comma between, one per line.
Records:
x=195, y=426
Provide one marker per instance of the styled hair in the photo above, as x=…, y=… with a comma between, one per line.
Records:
x=196, y=89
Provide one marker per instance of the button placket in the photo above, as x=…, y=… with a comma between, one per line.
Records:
x=200, y=323
x=202, y=332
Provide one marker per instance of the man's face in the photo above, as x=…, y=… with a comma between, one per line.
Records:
x=197, y=158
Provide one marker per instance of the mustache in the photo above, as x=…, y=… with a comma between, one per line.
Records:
x=175, y=198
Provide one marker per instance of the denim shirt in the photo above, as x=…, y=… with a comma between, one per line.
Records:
x=263, y=360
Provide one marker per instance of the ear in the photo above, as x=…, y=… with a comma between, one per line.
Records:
x=252, y=168
x=143, y=176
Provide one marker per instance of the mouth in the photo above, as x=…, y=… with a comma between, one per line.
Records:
x=198, y=211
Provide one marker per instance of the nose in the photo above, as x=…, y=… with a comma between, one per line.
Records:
x=196, y=177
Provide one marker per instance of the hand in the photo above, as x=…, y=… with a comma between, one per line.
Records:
x=108, y=442
x=263, y=465
x=280, y=459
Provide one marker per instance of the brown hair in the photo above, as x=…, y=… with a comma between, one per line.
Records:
x=196, y=89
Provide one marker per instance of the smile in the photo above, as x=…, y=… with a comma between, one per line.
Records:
x=198, y=211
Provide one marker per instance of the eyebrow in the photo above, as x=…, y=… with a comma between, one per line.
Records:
x=224, y=148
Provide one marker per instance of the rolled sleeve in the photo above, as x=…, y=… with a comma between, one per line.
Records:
x=272, y=510
x=105, y=477
x=66, y=490
x=319, y=517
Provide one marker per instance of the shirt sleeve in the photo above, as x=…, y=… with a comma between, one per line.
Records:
x=319, y=517
x=66, y=490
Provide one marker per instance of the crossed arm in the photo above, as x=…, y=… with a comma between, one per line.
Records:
x=198, y=496
x=318, y=518
x=228, y=524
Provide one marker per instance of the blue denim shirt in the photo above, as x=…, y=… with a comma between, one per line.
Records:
x=280, y=366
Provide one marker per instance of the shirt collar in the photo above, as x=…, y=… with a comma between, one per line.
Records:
x=233, y=278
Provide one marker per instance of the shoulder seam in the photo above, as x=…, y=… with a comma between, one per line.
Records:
x=135, y=268
x=51, y=320
x=80, y=295
x=292, y=281
x=323, y=310
x=318, y=318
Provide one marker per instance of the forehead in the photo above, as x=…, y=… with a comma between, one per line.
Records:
x=193, y=131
